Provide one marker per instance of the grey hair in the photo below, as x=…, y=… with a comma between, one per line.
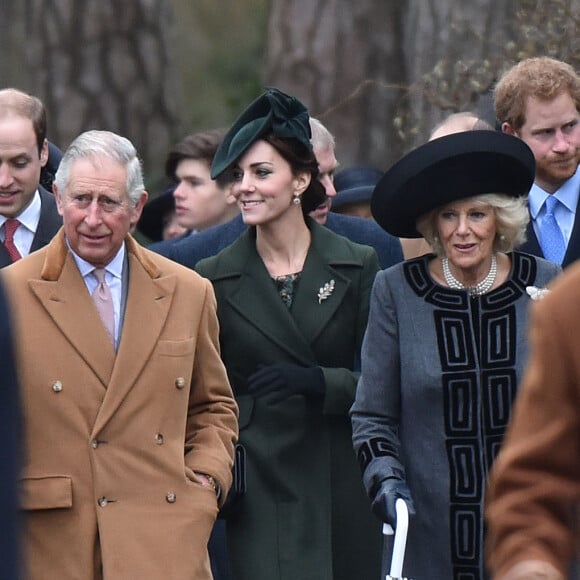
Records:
x=511, y=214
x=322, y=139
x=94, y=144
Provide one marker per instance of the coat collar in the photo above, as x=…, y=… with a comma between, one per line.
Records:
x=62, y=292
x=255, y=298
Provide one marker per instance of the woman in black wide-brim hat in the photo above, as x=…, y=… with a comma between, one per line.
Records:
x=446, y=342
x=293, y=302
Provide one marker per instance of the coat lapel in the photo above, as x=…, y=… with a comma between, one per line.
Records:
x=321, y=292
x=271, y=317
x=148, y=302
x=62, y=292
x=256, y=299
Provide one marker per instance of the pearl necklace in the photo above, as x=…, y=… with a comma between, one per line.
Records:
x=477, y=290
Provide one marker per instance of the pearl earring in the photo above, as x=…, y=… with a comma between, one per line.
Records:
x=296, y=200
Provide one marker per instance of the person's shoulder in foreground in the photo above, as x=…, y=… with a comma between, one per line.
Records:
x=535, y=483
x=10, y=437
x=368, y=233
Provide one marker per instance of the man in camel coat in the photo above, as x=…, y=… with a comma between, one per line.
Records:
x=129, y=433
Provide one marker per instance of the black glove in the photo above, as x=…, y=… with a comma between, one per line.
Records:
x=282, y=380
x=389, y=491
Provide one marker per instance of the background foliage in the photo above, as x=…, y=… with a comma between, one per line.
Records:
x=378, y=73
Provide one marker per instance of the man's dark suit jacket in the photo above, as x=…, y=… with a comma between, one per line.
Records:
x=9, y=449
x=190, y=249
x=532, y=245
x=49, y=223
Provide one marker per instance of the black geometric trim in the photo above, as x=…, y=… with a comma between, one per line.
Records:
x=524, y=271
x=465, y=474
x=465, y=535
x=498, y=338
x=375, y=447
x=454, y=340
x=498, y=391
x=460, y=404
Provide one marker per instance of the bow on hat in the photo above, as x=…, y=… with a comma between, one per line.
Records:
x=272, y=112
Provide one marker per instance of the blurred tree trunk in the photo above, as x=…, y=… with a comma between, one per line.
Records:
x=380, y=74
x=343, y=59
x=103, y=64
x=12, y=72
x=453, y=50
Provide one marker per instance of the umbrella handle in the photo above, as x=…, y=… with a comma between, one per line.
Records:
x=400, y=541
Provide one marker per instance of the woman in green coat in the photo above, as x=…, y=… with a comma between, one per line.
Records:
x=293, y=301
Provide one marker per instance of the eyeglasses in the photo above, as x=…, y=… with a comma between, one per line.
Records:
x=106, y=204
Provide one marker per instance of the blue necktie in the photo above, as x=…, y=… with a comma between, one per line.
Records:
x=553, y=243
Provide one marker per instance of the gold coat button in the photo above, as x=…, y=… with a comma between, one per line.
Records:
x=57, y=386
x=180, y=382
x=171, y=497
x=103, y=501
x=94, y=444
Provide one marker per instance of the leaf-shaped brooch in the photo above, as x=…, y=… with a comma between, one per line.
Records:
x=536, y=293
x=325, y=291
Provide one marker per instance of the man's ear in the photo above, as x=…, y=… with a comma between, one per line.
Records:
x=58, y=199
x=136, y=213
x=44, y=153
x=507, y=128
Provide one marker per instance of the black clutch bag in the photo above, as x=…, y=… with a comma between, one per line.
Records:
x=238, y=488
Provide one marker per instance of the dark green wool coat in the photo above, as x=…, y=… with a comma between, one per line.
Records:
x=305, y=515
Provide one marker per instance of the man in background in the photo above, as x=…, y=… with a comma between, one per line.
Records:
x=538, y=100
x=28, y=215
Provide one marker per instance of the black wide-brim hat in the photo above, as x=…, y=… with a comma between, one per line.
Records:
x=448, y=169
x=150, y=223
x=272, y=112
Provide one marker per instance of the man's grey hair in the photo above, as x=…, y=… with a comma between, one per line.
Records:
x=96, y=145
x=322, y=139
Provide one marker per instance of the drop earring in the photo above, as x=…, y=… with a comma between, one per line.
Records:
x=296, y=200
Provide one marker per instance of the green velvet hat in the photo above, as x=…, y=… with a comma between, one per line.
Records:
x=272, y=112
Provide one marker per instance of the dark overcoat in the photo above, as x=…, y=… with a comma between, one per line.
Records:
x=305, y=515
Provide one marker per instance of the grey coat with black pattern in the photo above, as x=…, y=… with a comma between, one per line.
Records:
x=440, y=370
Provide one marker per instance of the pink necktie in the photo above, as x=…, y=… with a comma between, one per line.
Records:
x=104, y=302
x=10, y=226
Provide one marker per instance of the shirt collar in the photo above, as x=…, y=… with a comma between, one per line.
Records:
x=114, y=267
x=567, y=194
x=30, y=216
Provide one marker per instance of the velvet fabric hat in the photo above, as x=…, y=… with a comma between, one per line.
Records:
x=355, y=184
x=150, y=223
x=272, y=112
x=448, y=169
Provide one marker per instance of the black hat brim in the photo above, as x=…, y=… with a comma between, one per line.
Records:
x=448, y=169
x=150, y=223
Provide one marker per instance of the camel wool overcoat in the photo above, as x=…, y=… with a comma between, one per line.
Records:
x=112, y=439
